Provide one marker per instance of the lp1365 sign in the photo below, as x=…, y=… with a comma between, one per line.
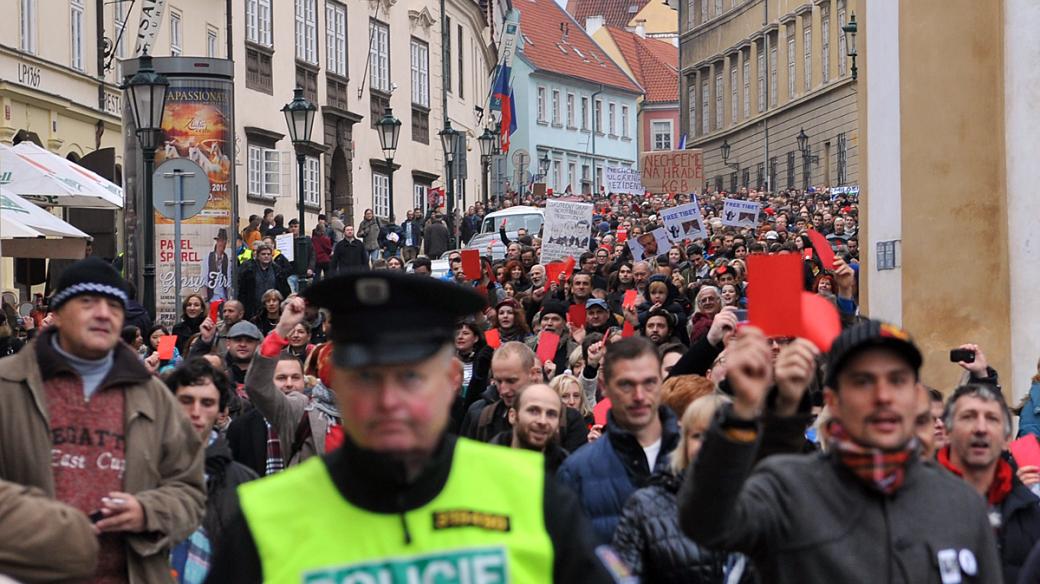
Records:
x=673, y=171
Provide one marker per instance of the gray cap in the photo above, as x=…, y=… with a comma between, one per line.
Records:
x=244, y=328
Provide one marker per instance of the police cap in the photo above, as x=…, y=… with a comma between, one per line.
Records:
x=385, y=317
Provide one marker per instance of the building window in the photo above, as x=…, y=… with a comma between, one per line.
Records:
x=336, y=39
x=611, y=122
x=176, y=34
x=258, y=22
x=212, y=47
x=380, y=195
x=76, y=14
x=745, y=177
x=719, y=113
x=718, y=7
x=691, y=7
x=557, y=175
x=733, y=182
x=264, y=172
x=447, y=49
x=790, y=62
x=734, y=99
x=842, y=58
x=541, y=104
x=825, y=40
x=460, y=54
x=598, y=121
x=420, y=58
x=312, y=181
x=807, y=55
x=570, y=110
x=843, y=159
x=379, y=55
x=420, y=124
x=572, y=170
x=119, y=21
x=584, y=113
x=556, y=107
x=772, y=73
x=624, y=121
x=306, y=31
x=258, y=69
x=704, y=106
x=790, y=170
x=691, y=105
x=772, y=186
x=662, y=134
x=747, y=86
x=761, y=78
x=704, y=11
x=419, y=192
x=27, y=20
x=759, y=175
x=718, y=183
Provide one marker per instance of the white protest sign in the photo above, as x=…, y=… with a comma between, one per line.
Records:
x=684, y=222
x=737, y=213
x=620, y=179
x=151, y=20
x=650, y=244
x=568, y=227
x=284, y=243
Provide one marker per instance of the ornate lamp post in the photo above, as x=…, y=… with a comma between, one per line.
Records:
x=299, y=116
x=849, y=30
x=389, y=132
x=487, y=150
x=450, y=143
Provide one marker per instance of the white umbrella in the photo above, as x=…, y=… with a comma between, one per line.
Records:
x=37, y=174
x=24, y=230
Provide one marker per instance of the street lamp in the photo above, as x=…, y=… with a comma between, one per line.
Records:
x=543, y=166
x=725, y=149
x=299, y=116
x=389, y=133
x=487, y=143
x=849, y=30
x=147, y=91
x=450, y=143
x=807, y=155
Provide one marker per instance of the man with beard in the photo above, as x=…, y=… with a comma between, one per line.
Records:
x=554, y=320
x=535, y=417
x=659, y=326
x=979, y=425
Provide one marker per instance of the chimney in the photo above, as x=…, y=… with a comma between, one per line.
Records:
x=593, y=23
x=641, y=28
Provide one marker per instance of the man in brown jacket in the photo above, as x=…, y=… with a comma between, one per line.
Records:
x=83, y=420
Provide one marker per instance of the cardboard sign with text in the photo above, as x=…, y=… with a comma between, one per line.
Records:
x=737, y=213
x=673, y=171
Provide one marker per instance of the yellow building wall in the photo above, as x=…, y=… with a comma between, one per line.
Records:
x=657, y=18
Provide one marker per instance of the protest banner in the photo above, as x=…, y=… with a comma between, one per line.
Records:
x=684, y=222
x=621, y=179
x=284, y=243
x=737, y=213
x=568, y=227
x=650, y=244
x=672, y=171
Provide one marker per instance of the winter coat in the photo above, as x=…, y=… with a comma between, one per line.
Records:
x=649, y=541
x=386, y=243
x=247, y=285
x=806, y=518
x=1029, y=419
x=604, y=474
x=435, y=239
x=164, y=457
x=322, y=248
x=553, y=454
x=1019, y=528
x=349, y=254
x=184, y=330
x=368, y=231
x=223, y=475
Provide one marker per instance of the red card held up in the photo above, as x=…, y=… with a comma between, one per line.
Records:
x=1026, y=451
x=628, y=330
x=553, y=271
x=471, y=264
x=774, y=294
x=214, y=310
x=823, y=249
x=166, y=345
x=599, y=413
x=629, y=301
x=547, y=344
x=493, y=338
x=821, y=323
x=576, y=315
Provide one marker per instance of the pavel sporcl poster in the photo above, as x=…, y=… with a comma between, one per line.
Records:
x=568, y=227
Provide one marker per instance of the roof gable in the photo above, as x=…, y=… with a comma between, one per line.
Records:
x=653, y=63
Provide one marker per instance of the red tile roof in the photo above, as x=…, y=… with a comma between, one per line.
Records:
x=654, y=64
x=579, y=56
x=614, y=12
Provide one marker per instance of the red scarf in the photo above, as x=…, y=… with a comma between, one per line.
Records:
x=999, y=489
x=882, y=470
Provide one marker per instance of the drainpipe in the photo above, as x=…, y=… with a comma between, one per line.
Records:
x=765, y=119
x=595, y=179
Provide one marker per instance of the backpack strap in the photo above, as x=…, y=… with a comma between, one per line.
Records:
x=303, y=432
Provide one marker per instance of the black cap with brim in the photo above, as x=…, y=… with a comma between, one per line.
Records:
x=868, y=335
x=388, y=318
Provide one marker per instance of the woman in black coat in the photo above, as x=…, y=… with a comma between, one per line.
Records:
x=475, y=354
x=193, y=312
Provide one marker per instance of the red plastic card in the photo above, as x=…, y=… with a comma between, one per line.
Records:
x=1026, y=451
x=629, y=301
x=821, y=323
x=547, y=344
x=774, y=294
x=471, y=264
x=628, y=330
x=166, y=345
x=493, y=338
x=576, y=315
x=214, y=310
x=823, y=249
x=599, y=413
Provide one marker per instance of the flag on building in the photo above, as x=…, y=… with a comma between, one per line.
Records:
x=682, y=142
x=502, y=93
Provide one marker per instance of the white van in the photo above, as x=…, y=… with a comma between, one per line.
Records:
x=529, y=218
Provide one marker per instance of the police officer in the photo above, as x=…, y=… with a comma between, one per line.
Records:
x=402, y=500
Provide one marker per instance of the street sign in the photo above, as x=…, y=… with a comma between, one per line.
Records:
x=190, y=179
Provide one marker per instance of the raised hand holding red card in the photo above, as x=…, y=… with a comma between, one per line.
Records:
x=547, y=344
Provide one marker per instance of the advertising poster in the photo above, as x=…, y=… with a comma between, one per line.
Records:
x=650, y=244
x=197, y=125
x=737, y=213
x=568, y=227
x=684, y=222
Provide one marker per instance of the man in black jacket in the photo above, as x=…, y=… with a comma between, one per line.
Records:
x=259, y=275
x=349, y=253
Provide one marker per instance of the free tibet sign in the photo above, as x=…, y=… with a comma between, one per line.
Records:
x=466, y=566
x=673, y=171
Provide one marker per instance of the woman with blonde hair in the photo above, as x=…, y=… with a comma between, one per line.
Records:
x=569, y=388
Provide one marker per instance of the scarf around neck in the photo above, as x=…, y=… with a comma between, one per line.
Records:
x=882, y=470
x=1001, y=486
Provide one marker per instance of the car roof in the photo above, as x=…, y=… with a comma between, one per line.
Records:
x=518, y=210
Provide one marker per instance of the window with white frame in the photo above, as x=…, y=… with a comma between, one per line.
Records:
x=718, y=7
x=719, y=113
x=772, y=74
x=761, y=77
x=842, y=58
x=612, y=119
x=570, y=110
x=624, y=121
x=541, y=104
x=556, y=107
x=312, y=181
x=212, y=43
x=306, y=31
x=420, y=56
x=557, y=174
x=380, y=194
x=790, y=62
x=825, y=41
x=691, y=7
x=807, y=54
x=76, y=30
x=584, y=113
x=598, y=114
x=264, y=171
x=661, y=130
x=27, y=23
x=176, y=34
x=691, y=105
x=419, y=192
x=572, y=170
x=734, y=100
x=747, y=85
x=336, y=38
x=258, y=22
x=119, y=23
x=705, y=110
x=379, y=55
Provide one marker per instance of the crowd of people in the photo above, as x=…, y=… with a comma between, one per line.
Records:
x=314, y=424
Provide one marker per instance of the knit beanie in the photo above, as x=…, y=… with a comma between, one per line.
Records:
x=89, y=276
x=554, y=307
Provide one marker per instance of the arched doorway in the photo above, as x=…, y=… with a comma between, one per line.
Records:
x=339, y=183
